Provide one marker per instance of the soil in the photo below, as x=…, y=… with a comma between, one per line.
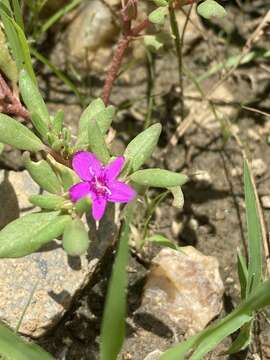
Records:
x=213, y=217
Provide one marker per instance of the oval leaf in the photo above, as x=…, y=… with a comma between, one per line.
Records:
x=158, y=16
x=158, y=178
x=210, y=8
x=34, y=102
x=67, y=175
x=48, y=202
x=75, y=240
x=27, y=234
x=92, y=110
x=141, y=147
x=15, y=134
x=97, y=143
x=43, y=175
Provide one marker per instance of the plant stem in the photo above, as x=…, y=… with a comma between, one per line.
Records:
x=123, y=43
x=178, y=48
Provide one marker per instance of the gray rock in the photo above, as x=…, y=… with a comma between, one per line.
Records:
x=15, y=187
x=48, y=278
x=184, y=289
x=51, y=279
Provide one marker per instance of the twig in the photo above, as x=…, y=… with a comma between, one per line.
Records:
x=253, y=38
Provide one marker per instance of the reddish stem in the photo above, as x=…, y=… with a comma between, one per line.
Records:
x=118, y=56
x=9, y=102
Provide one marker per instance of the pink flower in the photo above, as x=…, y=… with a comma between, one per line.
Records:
x=99, y=182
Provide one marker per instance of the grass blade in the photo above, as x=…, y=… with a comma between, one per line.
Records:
x=58, y=73
x=60, y=13
x=13, y=347
x=254, y=232
x=210, y=337
x=17, y=13
x=113, y=324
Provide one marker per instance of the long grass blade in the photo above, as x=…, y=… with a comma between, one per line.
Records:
x=254, y=233
x=210, y=337
x=113, y=324
x=13, y=347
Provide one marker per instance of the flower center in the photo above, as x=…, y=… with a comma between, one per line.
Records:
x=100, y=187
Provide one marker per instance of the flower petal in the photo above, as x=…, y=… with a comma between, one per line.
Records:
x=98, y=207
x=78, y=191
x=113, y=169
x=121, y=192
x=86, y=165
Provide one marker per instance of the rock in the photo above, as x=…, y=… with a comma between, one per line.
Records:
x=56, y=285
x=53, y=277
x=154, y=355
x=202, y=179
x=265, y=201
x=15, y=187
x=258, y=167
x=89, y=39
x=184, y=288
x=253, y=135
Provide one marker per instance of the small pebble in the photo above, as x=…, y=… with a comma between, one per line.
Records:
x=203, y=179
x=259, y=167
x=265, y=201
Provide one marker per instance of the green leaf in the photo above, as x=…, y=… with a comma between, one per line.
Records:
x=18, y=43
x=97, y=111
x=210, y=8
x=7, y=64
x=254, y=233
x=28, y=233
x=207, y=339
x=158, y=178
x=242, y=274
x=66, y=80
x=42, y=173
x=57, y=124
x=75, y=239
x=178, y=197
x=18, y=13
x=243, y=339
x=161, y=2
x=48, y=202
x=162, y=241
x=88, y=114
x=11, y=34
x=153, y=43
x=104, y=118
x=113, y=322
x=97, y=143
x=158, y=15
x=57, y=16
x=14, y=347
x=34, y=102
x=140, y=149
x=68, y=176
x=15, y=134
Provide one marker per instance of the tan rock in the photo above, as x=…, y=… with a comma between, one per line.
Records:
x=184, y=287
x=90, y=37
x=259, y=167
